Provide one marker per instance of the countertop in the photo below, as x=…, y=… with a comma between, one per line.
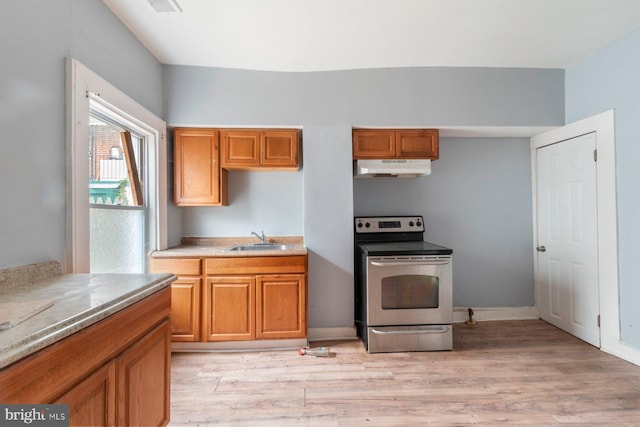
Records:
x=196, y=247
x=79, y=300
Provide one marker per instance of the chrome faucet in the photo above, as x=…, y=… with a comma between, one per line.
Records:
x=263, y=239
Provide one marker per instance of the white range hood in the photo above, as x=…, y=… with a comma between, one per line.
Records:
x=396, y=168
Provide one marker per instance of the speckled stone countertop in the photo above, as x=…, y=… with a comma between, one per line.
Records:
x=79, y=300
x=196, y=247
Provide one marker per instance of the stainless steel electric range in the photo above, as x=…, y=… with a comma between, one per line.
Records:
x=403, y=286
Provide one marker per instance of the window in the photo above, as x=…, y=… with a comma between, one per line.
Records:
x=116, y=197
x=117, y=211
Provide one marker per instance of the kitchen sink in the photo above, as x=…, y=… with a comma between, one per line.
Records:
x=261, y=247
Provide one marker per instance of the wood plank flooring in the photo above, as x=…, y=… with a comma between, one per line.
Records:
x=513, y=373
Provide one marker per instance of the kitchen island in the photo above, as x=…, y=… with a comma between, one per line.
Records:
x=101, y=343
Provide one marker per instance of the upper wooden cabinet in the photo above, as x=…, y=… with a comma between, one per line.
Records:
x=260, y=149
x=240, y=149
x=199, y=180
x=395, y=144
x=279, y=149
x=374, y=144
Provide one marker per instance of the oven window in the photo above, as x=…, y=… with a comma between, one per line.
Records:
x=409, y=291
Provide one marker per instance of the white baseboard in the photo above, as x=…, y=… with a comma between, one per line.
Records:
x=617, y=348
x=331, y=334
x=623, y=351
x=234, y=346
x=460, y=314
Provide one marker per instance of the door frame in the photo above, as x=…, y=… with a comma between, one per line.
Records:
x=603, y=125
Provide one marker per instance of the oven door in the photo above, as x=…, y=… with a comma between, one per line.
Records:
x=409, y=290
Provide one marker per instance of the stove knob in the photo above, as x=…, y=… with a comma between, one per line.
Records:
x=359, y=225
x=367, y=225
x=410, y=223
x=419, y=224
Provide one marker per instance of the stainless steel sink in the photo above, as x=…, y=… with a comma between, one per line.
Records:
x=261, y=247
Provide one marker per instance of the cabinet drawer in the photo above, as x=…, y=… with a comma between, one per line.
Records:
x=181, y=266
x=256, y=265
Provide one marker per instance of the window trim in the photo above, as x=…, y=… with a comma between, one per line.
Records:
x=84, y=87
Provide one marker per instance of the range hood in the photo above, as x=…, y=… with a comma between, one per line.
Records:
x=396, y=168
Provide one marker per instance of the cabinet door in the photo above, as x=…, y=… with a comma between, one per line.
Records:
x=144, y=380
x=281, y=310
x=417, y=144
x=93, y=401
x=185, y=309
x=373, y=144
x=198, y=178
x=279, y=149
x=229, y=308
x=240, y=149
x=185, y=295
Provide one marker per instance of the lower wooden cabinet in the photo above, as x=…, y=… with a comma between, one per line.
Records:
x=229, y=308
x=186, y=296
x=143, y=374
x=277, y=311
x=185, y=309
x=239, y=308
x=93, y=401
x=280, y=306
x=237, y=299
x=115, y=372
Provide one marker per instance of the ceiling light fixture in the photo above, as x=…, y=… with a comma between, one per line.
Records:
x=165, y=5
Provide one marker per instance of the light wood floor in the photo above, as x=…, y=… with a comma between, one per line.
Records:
x=500, y=373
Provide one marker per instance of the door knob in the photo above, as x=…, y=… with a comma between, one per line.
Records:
x=541, y=249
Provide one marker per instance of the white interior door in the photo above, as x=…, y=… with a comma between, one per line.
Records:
x=567, y=246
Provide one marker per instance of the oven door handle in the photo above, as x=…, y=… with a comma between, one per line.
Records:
x=435, y=329
x=407, y=263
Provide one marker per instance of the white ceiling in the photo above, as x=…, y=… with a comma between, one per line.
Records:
x=320, y=35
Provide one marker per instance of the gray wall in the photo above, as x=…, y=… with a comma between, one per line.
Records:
x=326, y=105
x=253, y=206
x=477, y=201
x=604, y=81
x=36, y=37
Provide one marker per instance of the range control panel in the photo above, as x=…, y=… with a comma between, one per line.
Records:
x=389, y=224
